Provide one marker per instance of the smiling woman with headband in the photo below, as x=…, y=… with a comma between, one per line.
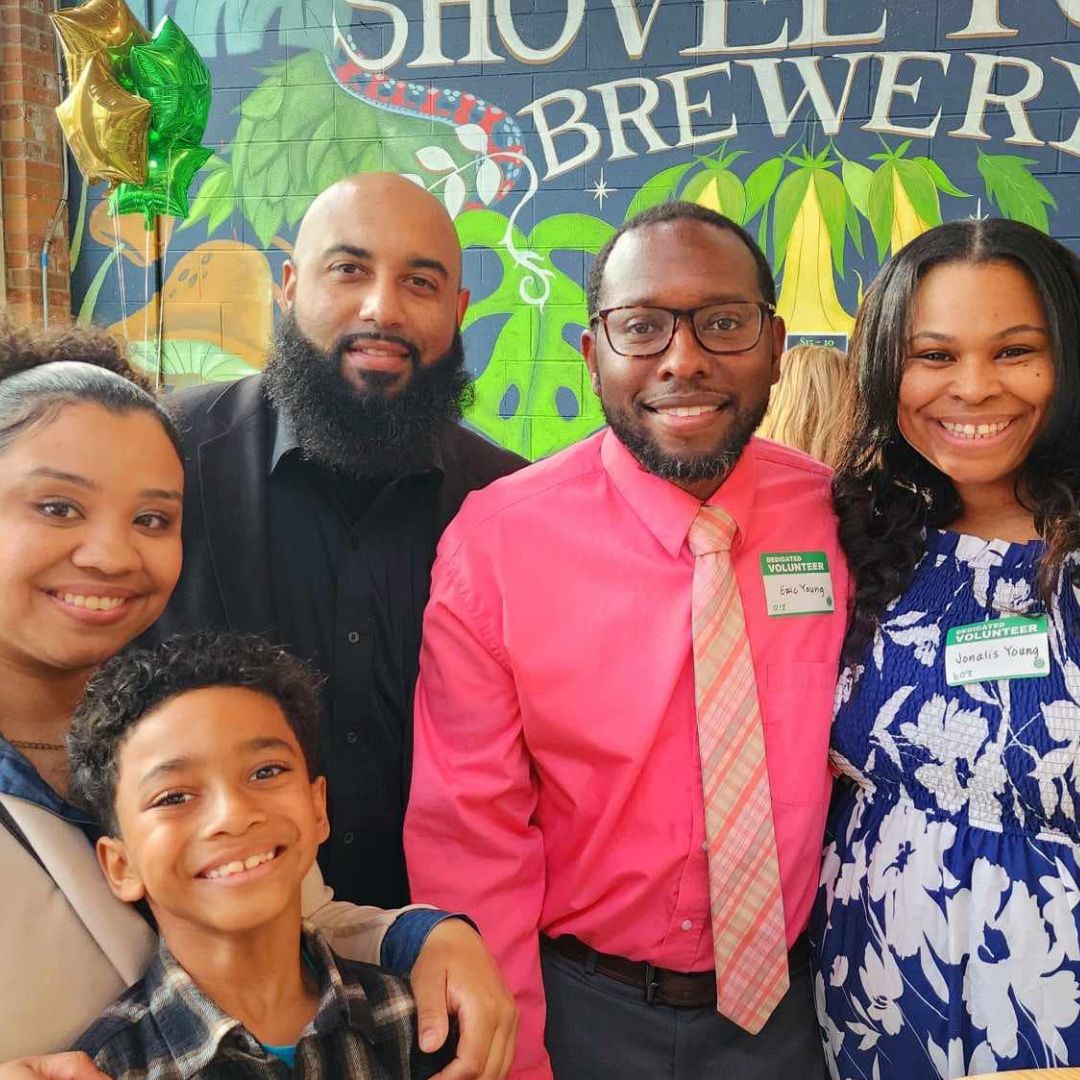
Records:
x=91, y=496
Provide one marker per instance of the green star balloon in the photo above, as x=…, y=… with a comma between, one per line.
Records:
x=171, y=75
x=169, y=175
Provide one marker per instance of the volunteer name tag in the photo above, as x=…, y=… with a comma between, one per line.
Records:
x=1016, y=647
x=797, y=583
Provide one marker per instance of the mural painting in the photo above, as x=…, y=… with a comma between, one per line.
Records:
x=833, y=130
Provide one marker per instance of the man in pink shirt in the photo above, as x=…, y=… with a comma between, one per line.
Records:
x=557, y=792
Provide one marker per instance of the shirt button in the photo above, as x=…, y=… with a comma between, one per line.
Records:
x=350, y=736
x=353, y=637
x=687, y=924
x=704, y=845
x=348, y=838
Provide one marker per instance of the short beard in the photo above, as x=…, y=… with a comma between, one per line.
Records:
x=363, y=433
x=712, y=464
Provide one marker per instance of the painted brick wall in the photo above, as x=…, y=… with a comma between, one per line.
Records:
x=32, y=168
x=834, y=129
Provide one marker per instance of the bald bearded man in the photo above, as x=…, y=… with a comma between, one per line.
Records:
x=315, y=495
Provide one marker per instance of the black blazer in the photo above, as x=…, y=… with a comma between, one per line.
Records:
x=226, y=430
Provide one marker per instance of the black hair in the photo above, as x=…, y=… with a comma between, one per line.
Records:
x=134, y=683
x=677, y=210
x=886, y=494
x=41, y=372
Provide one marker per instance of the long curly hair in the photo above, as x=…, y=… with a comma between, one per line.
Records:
x=886, y=494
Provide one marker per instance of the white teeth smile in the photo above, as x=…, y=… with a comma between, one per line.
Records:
x=239, y=866
x=686, y=410
x=92, y=603
x=975, y=431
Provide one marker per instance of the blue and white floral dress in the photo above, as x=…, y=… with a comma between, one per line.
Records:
x=946, y=931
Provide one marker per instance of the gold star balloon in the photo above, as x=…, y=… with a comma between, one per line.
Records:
x=98, y=26
x=105, y=126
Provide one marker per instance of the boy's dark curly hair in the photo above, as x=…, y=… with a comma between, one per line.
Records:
x=886, y=494
x=134, y=683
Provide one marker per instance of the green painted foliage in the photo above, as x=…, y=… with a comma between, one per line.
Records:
x=531, y=360
x=191, y=361
x=1014, y=190
x=299, y=132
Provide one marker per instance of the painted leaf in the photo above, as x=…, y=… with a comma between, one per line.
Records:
x=937, y=174
x=659, y=188
x=215, y=197
x=857, y=179
x=1012, y=188
x=832, y=200
x=921, y=190
x=854, y=225
x=454, y=194
x=789, y=197
x=198, y=361
x=763, y=229
x=473, y=137
x=517, y=398
x=880, y=207
x=488, y=179
x=319, y=145
x=435, y=159
x=696, y=184
x=266, y=218
x=729, y=195
x=265, y=101
x=761, y=185
x=571, y=232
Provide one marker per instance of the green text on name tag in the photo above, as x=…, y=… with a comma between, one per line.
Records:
x=1016, y=647
x=797, y=583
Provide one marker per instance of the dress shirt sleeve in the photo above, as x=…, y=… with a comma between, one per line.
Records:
x=470, y=842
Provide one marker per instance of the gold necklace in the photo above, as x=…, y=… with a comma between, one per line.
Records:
x=30, y=745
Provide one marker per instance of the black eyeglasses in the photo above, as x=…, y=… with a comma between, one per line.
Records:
x=733, y=326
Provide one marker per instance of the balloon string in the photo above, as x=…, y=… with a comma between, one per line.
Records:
x=146, y=291
x=118, y=247
x=164, y=246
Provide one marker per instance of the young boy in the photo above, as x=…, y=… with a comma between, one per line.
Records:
x=198, y=758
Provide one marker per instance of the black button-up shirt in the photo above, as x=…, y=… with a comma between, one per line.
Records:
x=350, y=565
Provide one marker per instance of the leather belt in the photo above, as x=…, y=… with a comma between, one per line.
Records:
x=658, y=986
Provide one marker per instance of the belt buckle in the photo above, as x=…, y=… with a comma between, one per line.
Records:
x=652, y=984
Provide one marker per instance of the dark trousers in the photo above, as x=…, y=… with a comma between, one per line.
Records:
x=599, y=1028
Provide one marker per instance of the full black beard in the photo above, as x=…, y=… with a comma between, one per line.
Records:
x=363, y=433
x=713, y=464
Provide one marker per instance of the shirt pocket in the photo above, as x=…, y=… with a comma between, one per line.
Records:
x=797, y=706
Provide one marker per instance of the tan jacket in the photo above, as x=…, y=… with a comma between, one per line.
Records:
x=68, y=947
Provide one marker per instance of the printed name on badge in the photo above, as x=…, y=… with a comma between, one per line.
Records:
x=1016, y=647
x=797, y=583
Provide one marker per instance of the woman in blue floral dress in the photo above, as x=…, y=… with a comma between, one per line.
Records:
x=946, y=932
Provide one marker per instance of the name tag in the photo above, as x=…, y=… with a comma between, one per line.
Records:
x=1016, y=647
x=797, y=583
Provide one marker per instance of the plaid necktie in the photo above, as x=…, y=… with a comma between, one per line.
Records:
x=744, y=875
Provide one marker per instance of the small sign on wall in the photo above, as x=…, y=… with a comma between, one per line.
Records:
x=829, y=341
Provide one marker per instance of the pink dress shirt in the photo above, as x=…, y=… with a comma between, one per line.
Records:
x=556, y=781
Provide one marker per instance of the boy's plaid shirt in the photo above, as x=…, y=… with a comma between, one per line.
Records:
x=165, y=1028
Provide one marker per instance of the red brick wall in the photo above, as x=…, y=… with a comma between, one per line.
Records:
x=32, y=170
